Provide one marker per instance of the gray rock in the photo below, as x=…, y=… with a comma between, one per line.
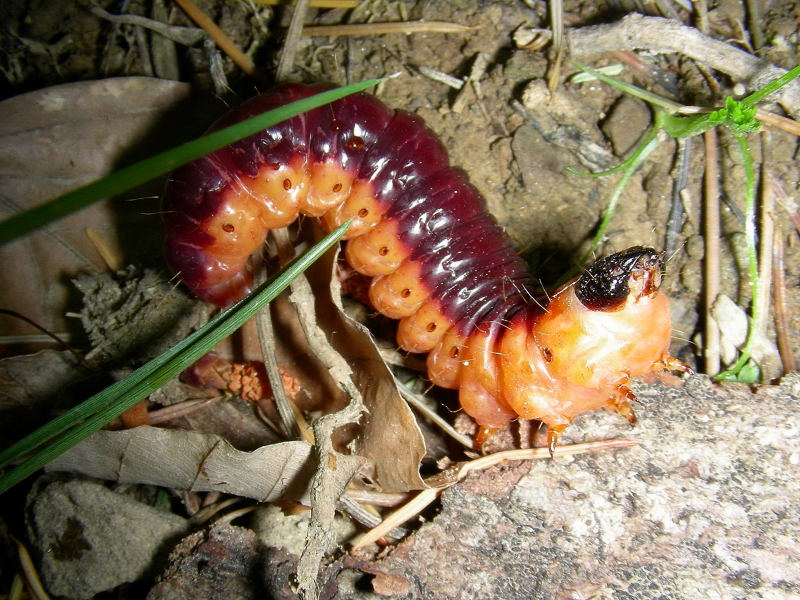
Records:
x=626, y=124
x=91, y=539
x=707, y=506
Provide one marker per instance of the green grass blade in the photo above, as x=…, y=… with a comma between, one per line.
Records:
x=634, y=158
x=654, y=99
x=771, y=87
x=91, y=415
x=143, y=171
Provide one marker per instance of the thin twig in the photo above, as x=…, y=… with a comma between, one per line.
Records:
x=366, y=518
x=113, y=259
x=637, y=32
x=779, y=301
x=181, y=409
x=29, y=571
x=711, y=230
x=782, y=123
x=414, y=401
x=235, y=514
x=291, y=41
x=459, y=471
x=220, y=38
x=557, y=55
x=397, y=518
x=766, y=234
x=675, y=222
x=53, y=336
x=754, y=23
x=386, y=499
x=266, y=339
x=207, y=513
x=313, y=3
x=405, y=27
x=188, y=36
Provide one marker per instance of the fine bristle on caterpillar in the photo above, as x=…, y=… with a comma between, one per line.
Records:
x=439, y=262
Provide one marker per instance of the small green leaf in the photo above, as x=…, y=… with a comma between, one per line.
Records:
x=749, y=373
x=740, y=119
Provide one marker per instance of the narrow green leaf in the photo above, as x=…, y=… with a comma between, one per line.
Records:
x=770, y=88
x=138, y=173
x=94, y=413
x=654, y=99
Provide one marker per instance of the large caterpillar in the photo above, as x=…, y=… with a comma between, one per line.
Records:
x=440, y=263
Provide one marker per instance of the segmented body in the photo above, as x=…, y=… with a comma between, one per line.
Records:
x=440, y=263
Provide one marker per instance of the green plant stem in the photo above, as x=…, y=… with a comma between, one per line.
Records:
x=649, y=97
x=752, y=259
x=643, y=152
x=772, y=86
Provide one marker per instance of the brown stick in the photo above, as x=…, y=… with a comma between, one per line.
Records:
x=711, y=275
x=223, y=41
x=656, y=34
x=291, y=43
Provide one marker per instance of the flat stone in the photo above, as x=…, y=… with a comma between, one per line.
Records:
x=91, y=539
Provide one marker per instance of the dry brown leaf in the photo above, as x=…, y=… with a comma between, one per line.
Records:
x=192, y=461
x=56, y=139
x=389, y=436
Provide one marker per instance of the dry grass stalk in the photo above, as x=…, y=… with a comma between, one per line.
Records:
x=367, y=29
x=220, y=38
x=711, y=232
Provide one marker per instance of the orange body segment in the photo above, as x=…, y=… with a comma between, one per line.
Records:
x=377, y=252
x=329, y=186
x=444, y=361
x=421, y=331
x=399, y=294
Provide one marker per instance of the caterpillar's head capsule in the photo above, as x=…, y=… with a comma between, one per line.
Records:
x=607, y=283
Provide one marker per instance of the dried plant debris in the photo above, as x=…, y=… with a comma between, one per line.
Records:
x=54, y=140
x=135, y=315
x=222, y=562
x=33, y=385
x=186, y=460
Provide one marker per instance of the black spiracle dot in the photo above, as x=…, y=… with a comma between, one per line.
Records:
x=430, y=327
x=228, y=228
x=337, y=188
x=384, y=250
x=405, y=293
x=454, y=352
x=287, y=184
x=547, y=354
x=363, y=213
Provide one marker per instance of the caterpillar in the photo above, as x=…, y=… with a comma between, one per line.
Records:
x=439, y=262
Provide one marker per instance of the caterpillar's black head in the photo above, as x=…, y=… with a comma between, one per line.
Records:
x=607, y=283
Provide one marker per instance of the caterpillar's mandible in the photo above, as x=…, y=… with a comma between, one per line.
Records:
x=440, y=263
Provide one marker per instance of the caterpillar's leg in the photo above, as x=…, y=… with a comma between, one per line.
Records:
x=553, y=433
x=621, y=401
x=483, y=435
x=670, y=363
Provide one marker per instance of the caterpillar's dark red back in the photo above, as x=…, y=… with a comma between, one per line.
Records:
x=440, y=262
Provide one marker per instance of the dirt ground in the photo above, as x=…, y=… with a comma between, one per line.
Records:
x=514, y=143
